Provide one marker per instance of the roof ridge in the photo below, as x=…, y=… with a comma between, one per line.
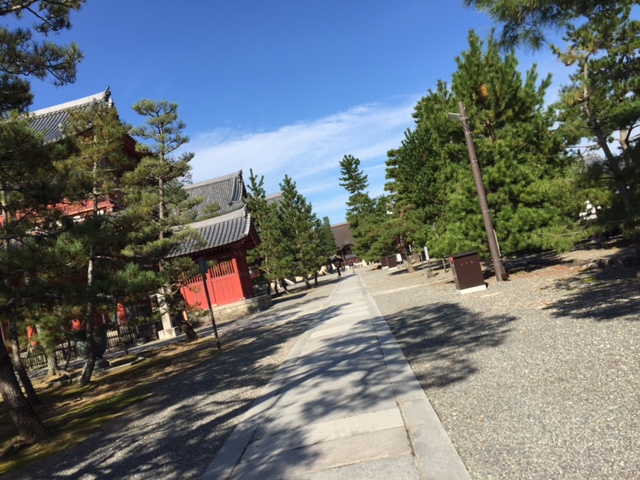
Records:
x=98, y=97
x=240, y=212
x=214, y=180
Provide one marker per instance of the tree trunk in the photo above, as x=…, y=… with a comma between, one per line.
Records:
x=25, y=419
x=405, y=255
x=19, y=366
x=87, y=371
x=52, y=364
x=620, y=177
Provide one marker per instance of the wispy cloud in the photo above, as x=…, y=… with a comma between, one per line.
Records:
x=309, y=152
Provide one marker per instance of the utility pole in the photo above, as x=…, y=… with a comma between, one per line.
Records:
x=498, y=268
x=202, y=263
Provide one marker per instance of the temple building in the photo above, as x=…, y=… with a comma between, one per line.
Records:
x=227, y=238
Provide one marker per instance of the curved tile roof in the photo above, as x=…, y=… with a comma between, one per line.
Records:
x=227, y=191
x=51, y=121
x=217, y=232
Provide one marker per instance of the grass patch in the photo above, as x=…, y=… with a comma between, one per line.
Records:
x=73, y=426
x=72, y=413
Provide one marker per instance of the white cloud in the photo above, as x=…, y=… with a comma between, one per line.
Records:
x=309, y=152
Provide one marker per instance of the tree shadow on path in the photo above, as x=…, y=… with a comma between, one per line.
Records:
x=176, y=432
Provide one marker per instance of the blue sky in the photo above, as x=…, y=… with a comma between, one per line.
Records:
x=280, y=87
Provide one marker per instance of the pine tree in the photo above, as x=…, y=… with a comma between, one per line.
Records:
x=29, y=189
x=26, y=192
x=602, y=103
x=327, y=240
x=355, y=182
x=160, y=168
x=303, y=255
x=363, y=215
x=269, y=227
x=25, y=53
x=527, y=22
x=93, y=177
x=526, y=170
x=157, y=184
x=420, y=172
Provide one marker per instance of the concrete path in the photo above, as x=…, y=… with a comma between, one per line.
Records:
x=343, y=405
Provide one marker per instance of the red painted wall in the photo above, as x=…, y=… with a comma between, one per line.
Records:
x=228, y=282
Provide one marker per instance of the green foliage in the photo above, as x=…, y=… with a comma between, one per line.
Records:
x=293, y=241
x=527, y=22
x=525, y=168
x=325, y=238
x=91, y=245
x=26, y=52
x=601, y=103
x=602, y=43
x=303, y=253
x=155, y=189
x=366, y=216
x=27, y=179
x=266, y=256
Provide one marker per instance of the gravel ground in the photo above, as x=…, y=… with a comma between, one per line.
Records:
x=534, y=378
x=177, y=432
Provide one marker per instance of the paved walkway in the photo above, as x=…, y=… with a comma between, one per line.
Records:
x=343, y=405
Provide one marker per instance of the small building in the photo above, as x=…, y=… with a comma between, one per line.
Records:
x=227, y=237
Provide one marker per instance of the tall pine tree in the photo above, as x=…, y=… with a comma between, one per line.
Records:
x=93, y=244
x=157, y=184
x=272, y=241
x=25, y=54
x=366, y=216
x=524, y=165
x=602, y=103
x=303, y=255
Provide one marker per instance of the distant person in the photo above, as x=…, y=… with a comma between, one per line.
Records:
x=351, y=267
x=338, y=270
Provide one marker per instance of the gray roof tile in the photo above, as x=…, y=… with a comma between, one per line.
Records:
x=217, y=232
x=51, y=121
x=227, y=191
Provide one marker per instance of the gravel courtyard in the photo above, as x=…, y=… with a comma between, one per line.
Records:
x=534, y=378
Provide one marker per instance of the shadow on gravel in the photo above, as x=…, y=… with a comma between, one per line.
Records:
x=177, y=432
x=602, y=295
x=529, y=263
x=437, y=339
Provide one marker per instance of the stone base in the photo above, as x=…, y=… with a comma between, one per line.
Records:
x=242, y=308
x=232, y=311
x=168, y=333
x=478, y=288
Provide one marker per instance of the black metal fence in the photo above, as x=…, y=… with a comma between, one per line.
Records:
x=117, y=339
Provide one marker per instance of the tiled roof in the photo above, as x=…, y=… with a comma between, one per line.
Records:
x=274, y=198
x=51, y=121
x=227, y=192
x=217, y=232
x=342, y=234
